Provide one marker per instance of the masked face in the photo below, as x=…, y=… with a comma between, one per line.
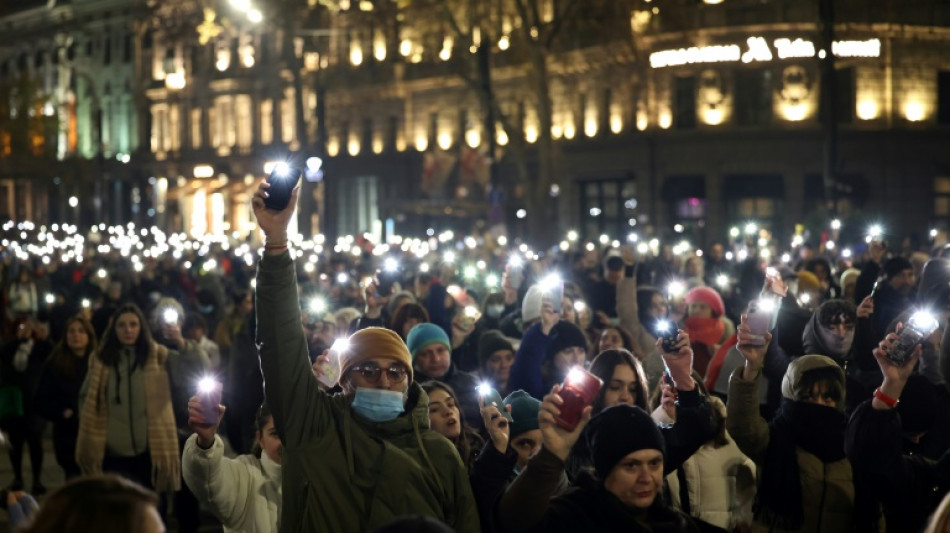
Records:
x=378, y=405
x=494, y=310
x=837, y=337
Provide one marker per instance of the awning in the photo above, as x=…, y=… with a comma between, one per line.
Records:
x=753, y=186
x=684, y=186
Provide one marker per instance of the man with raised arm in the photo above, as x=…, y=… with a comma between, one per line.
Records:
x=356, y=460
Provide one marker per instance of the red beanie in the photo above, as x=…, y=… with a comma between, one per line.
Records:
x=709, y=297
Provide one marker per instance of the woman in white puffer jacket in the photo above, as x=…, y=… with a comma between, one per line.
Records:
x=717, y=483
x=244, y=492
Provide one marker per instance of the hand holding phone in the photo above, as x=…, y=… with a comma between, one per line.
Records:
x=578, y=391
x=669, y=335
x=491, y=397
x=209, y=393
x=282, y=181
x=327, y=371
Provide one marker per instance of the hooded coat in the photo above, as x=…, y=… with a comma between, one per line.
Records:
x=827, y=489
x=342, y=472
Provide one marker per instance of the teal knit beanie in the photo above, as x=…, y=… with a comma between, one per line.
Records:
x=524, y=412
x=423, y=335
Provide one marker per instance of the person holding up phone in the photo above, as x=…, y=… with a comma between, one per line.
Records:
x=805, y=480
x=359, y=459
x=548, y=350
x=243, y=492
x=908, y=486
x=628, y=453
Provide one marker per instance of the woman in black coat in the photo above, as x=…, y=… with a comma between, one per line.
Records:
x=57, y=398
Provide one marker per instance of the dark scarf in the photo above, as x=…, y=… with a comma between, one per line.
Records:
x=817, y=429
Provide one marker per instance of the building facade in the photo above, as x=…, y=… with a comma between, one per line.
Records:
x=673, y=117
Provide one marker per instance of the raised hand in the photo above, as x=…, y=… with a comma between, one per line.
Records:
x=273, y=223
x=866, y=308
x=893, y=374
x=556, y=439
x=196, y=421
x=747, y=345
x=679, y=362
x=496, y=425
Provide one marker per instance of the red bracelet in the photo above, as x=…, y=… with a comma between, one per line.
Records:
x=890, y=402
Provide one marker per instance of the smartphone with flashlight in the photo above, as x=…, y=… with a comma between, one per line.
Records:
x=669, y=333
x=170, y=316
x=468, y=315
x=578, y=391
x=282, y=181
x=491, y=397
x=385, y=279
x=920, y=326
x=209, y=394
x=331, y=368
x=759, y=318
x=515, y=273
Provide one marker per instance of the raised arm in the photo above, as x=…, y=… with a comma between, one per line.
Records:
x=292, y=393
x=743, y=420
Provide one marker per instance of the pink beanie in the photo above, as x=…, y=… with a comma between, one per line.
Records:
x=709, y=297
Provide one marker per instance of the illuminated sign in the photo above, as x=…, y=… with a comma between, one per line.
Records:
x=757, y=49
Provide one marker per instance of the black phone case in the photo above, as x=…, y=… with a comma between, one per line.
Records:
x=281, y=186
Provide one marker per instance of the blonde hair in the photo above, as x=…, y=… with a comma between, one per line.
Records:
x=940, y=520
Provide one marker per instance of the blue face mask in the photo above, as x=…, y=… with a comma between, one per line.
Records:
x=378, y=405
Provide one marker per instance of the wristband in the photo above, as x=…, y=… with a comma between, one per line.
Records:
x=887, y=400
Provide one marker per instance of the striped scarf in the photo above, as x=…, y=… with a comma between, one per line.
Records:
x=162, y=432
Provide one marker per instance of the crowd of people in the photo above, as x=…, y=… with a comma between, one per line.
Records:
x=461, y=384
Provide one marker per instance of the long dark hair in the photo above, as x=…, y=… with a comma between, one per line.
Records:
x=405, y=312
x=469, y=441
x=64, y=362
x=110, y=346
x=603, y=367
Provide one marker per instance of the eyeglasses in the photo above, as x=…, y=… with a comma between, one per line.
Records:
x=371, y=372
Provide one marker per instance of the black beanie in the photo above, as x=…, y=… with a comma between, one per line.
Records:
x=490, y=342
x=565, y=335
x=895, y=266
x=619, y=431
x=917, y=405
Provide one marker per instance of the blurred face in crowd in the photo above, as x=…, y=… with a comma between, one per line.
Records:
x=127, y=328
x=821, y=395
x=820, y=271
x=622, y=388
x=24, y=330
x=247, y=305
x=700, y=310
x=444, y=414
x=658, y=308
x=568, y=357
x=410, y=323
x=716, y=253
x=526, y=445
x=77, y=339
x=694, y=267
x=498, y=366
x=903, y=281
x=433, y=360
x=637, y=479
x=377, y=373
x=613, y=276
x=610, y=339
x=568, y=312
x=270, y=441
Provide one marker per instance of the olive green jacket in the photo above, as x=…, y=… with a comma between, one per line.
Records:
x=342, y=472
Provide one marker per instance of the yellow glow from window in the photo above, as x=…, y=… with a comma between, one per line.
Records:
x=333, y=146
x=405, y=47
x=379, y=46
x=867, y=109
x=217, y=214
x=569, y=130
x=504, y=42
x=445, y=140
x=616, y=120
x=501, y=137
x=446, y=53
x=713, y=116
x=666, y=119
x=531, y=133
x=642, y=121
x=795, y=112
x=356, y=53
x=353, y=146
x=199, y=213
x=590, y=125
x=377, y=146
x=914, y=110
x=421, y=142
x=557, y=131
x=473, y=138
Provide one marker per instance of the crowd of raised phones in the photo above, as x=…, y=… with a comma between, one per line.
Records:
x=448, y=384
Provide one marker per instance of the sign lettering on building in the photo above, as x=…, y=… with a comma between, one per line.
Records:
x=758, y=49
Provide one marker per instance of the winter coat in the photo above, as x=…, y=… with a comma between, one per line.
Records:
x=720, y=482
x=465, y=386
x=243, y=493
x=827, y=489
x=584, y=509
x=55, y=394
x=909, y=487
x=345, y=473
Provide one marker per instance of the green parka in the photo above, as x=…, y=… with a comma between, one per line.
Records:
x=340, y=471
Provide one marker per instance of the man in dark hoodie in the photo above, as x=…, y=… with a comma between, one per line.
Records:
x=431, y=352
